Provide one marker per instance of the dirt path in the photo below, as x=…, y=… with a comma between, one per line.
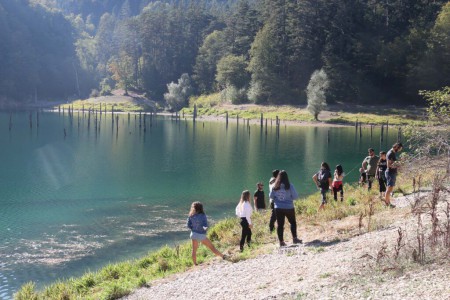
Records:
x=339, y=269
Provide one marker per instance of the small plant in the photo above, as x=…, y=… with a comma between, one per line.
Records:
x=115, y=292
x=325, y=275
x=351, y=201
x=27, y=292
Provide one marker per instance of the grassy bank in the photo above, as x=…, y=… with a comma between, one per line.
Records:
x=336, y=114
x=117, y=280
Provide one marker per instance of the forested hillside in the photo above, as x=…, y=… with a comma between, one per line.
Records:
x=261, y=51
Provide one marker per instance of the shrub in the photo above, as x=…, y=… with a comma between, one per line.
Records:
x=26, y=292
x=234, y=95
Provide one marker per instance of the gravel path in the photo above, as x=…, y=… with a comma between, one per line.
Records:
x=343, y=269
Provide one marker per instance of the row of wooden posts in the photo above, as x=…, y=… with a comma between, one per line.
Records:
x=143, y=121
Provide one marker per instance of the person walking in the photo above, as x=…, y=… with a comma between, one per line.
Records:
x=259, y=197
x=337, y=185
x=273, y=216
x=283, y=194
x=323, y=182
x=369, y=165
x=391, y=172
x=198, y=224
x=244, y=211
x=381, y=173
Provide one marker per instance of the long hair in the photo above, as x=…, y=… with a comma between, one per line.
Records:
x=282, y=178
x=339, y=170
x=245, y=197
x=196, y=208
x=325, y=166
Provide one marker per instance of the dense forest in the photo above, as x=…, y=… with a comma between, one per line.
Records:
x=259, y=51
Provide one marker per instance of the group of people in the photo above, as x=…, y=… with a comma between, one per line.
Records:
x=282, y=194
x=383, y=168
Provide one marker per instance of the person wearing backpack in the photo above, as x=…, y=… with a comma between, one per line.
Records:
x=322, y=179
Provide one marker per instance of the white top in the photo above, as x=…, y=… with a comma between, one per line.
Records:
x=244, y=211
x=272, y=179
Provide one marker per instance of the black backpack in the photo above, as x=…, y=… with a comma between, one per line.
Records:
x=323, y=177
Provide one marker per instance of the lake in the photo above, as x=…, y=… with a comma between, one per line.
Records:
x=74, y=197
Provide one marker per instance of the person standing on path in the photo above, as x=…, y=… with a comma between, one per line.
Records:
x=323, y=182
x=259, y=197
x=283, y=194
x=273, y=216
x=198, y=224
x=369, y=165
x=381, y=173
x=244, y=211
x=391, y=171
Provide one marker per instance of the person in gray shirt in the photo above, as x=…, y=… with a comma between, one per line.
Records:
x=369, y=165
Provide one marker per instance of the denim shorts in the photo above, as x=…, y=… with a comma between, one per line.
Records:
x=197, y=236
x=390, y=178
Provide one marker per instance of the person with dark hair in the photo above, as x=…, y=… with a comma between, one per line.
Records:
x=273, y=216
x=369, y=165
x=259, y=198
x=244, y=211
x=337, y=184
x=391, y=171
x=381, y=170
x=283, y=194
x=198, y=224
x=322, y=179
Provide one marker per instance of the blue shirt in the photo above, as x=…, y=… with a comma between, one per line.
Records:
x=283, y=198
x=197, y=222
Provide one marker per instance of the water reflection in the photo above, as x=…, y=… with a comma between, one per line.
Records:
x=76, y=202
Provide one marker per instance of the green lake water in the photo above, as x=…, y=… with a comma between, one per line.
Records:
x=75, y=201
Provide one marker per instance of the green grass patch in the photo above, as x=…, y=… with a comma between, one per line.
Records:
x=108, y=107
x=211, y=105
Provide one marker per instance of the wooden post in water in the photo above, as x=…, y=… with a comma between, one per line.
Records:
x=140, y=120
x=360, y=130
x=387, y=128
x=89, y=118
x=262, y=120
x=371, y=131
x=59, y=109
x=266, y=126
x=195, y=112
x=399, y=134
x=151, y=119
x=145, y=122
x=63, y=111
x=382, y=132
x=237, y=119
x=226, y=119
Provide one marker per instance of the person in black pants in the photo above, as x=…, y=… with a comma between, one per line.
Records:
x=273, y=216
x=283, y=194
x=380, y=175
x=244, y=211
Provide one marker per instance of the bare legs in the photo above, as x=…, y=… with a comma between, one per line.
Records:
x=387, y=195
x=208, y=244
